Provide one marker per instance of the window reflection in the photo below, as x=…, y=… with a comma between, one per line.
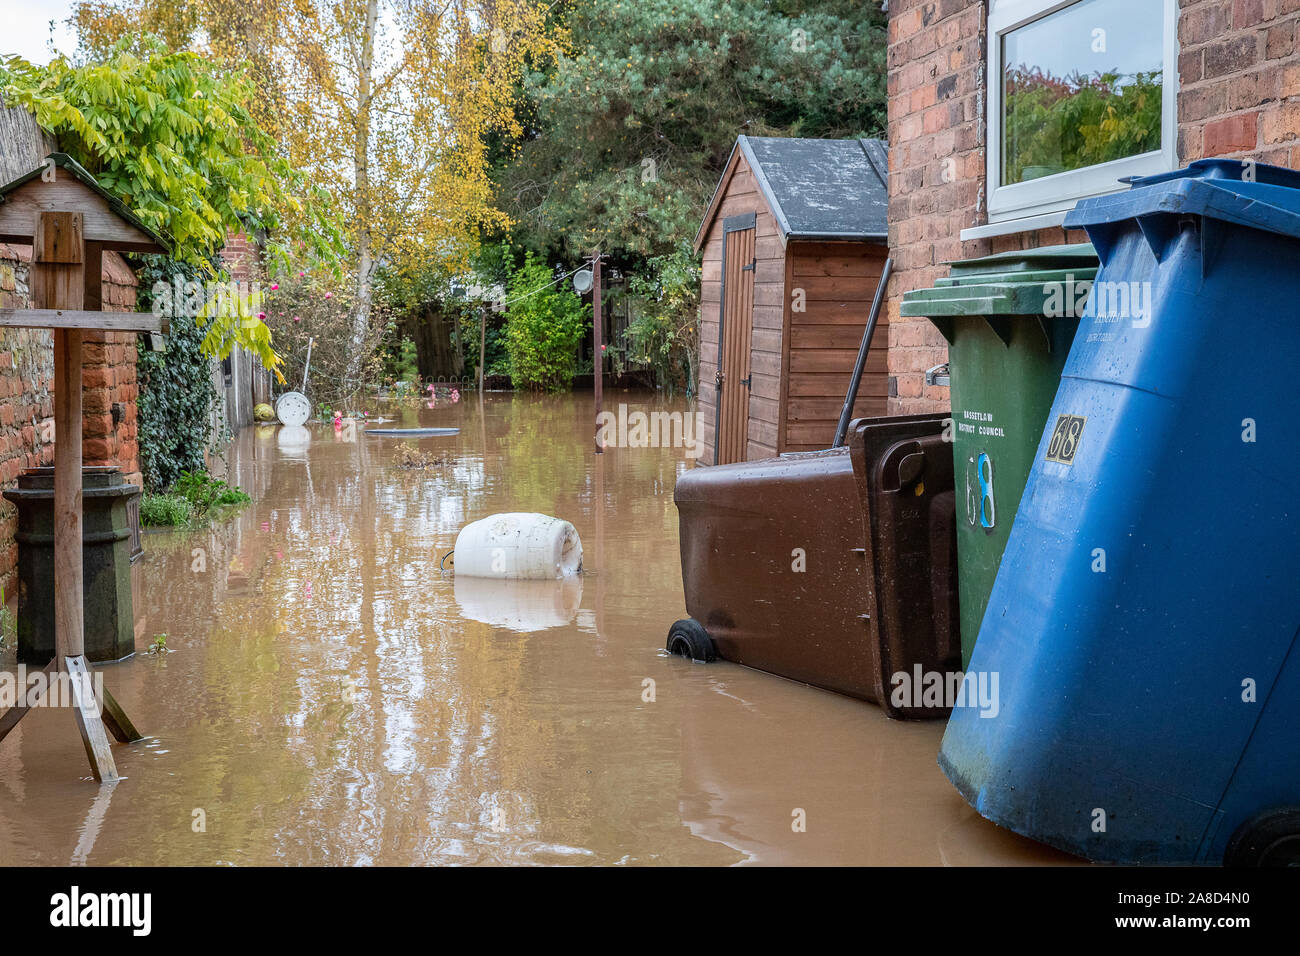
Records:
x=1082, y=86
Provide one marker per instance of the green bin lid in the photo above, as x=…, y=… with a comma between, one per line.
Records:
x=1048, y=258
x=1008, y=283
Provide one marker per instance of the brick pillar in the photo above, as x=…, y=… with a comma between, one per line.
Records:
x=108, y=378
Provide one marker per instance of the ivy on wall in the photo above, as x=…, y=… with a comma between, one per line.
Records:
x=177, y=395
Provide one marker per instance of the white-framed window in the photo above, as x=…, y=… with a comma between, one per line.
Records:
x=1080, y=94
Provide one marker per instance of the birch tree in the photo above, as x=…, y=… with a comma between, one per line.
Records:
x=388, y=104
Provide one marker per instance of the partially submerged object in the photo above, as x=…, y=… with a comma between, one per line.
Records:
x=412, y=432
x=836, y=568
x=294, y=408
x=519, y=546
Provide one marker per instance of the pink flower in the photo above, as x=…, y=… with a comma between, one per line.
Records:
x=275, y=286
x=297, y=318
x=329, y=295
x=261, y=315
x=301, y=274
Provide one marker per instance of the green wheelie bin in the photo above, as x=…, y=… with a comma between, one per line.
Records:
x=1009, y=320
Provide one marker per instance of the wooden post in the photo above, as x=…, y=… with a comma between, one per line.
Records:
x=69, y=638
x=598, y=351
x=482, y=344
x=58, y=282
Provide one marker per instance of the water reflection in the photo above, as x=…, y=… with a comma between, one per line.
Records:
x=523, y=606
x=332, y=697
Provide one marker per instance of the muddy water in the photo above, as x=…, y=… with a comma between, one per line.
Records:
x=332, y=697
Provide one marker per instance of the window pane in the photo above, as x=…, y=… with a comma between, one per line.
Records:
x=1082, y=86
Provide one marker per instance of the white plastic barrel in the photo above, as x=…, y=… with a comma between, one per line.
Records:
x=518, y=545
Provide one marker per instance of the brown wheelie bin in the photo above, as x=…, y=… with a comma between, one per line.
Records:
x=836, y=568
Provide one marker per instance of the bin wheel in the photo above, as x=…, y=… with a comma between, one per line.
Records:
x=1269, y=839
x=688, y=638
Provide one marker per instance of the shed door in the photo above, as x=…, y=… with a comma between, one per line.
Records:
x=731, y=437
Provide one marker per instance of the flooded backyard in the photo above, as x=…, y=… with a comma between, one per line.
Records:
x=330, y=696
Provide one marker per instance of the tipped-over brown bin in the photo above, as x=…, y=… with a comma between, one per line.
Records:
x=836, y=568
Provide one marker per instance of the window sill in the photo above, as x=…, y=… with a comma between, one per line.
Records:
x=1008, y=227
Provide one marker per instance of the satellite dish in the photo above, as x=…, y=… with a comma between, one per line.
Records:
x=582, y=281
x=293, y=409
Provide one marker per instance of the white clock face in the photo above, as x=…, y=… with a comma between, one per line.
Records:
x=292, y=408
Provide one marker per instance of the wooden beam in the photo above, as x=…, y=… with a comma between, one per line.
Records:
x=116, y=720
x=17, y=712
x=58, y=238
x=86, y=710
x=78, y=318
x=94, y=278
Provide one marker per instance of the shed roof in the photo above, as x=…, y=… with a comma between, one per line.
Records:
x=816, y=188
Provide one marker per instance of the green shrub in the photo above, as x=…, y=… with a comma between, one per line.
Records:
x=190, y=502
x=401, y=362
x=545, y=323
x=204, y=492
x=665, y=335
x=177, y=395
x=165, y=510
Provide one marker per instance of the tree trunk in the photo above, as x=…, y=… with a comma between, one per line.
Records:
x=361, y=170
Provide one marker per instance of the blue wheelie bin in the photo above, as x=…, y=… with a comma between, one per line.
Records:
x=1141, y=632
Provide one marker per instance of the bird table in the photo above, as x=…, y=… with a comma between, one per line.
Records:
x=70, y=221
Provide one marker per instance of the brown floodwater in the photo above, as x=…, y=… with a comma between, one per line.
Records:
x=330, y=696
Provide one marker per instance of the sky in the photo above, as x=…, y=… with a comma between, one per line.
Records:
x=27, y=28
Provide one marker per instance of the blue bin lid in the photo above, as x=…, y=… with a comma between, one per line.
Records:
x=1244, y=192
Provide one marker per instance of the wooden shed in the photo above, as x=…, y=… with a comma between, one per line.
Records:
x=794, y=241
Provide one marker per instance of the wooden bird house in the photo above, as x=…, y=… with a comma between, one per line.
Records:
x=69, y=220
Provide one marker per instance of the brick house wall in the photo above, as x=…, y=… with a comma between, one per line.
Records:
x=241, y=257
x=1239, y=73
x=26, y=391
x=1239, y=96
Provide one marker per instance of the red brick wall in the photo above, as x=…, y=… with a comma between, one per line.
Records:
x=26, y=397
x=1239, y=71
x=1239, y=96
x=108, y=376
x=936, y=176
x=241, y=257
